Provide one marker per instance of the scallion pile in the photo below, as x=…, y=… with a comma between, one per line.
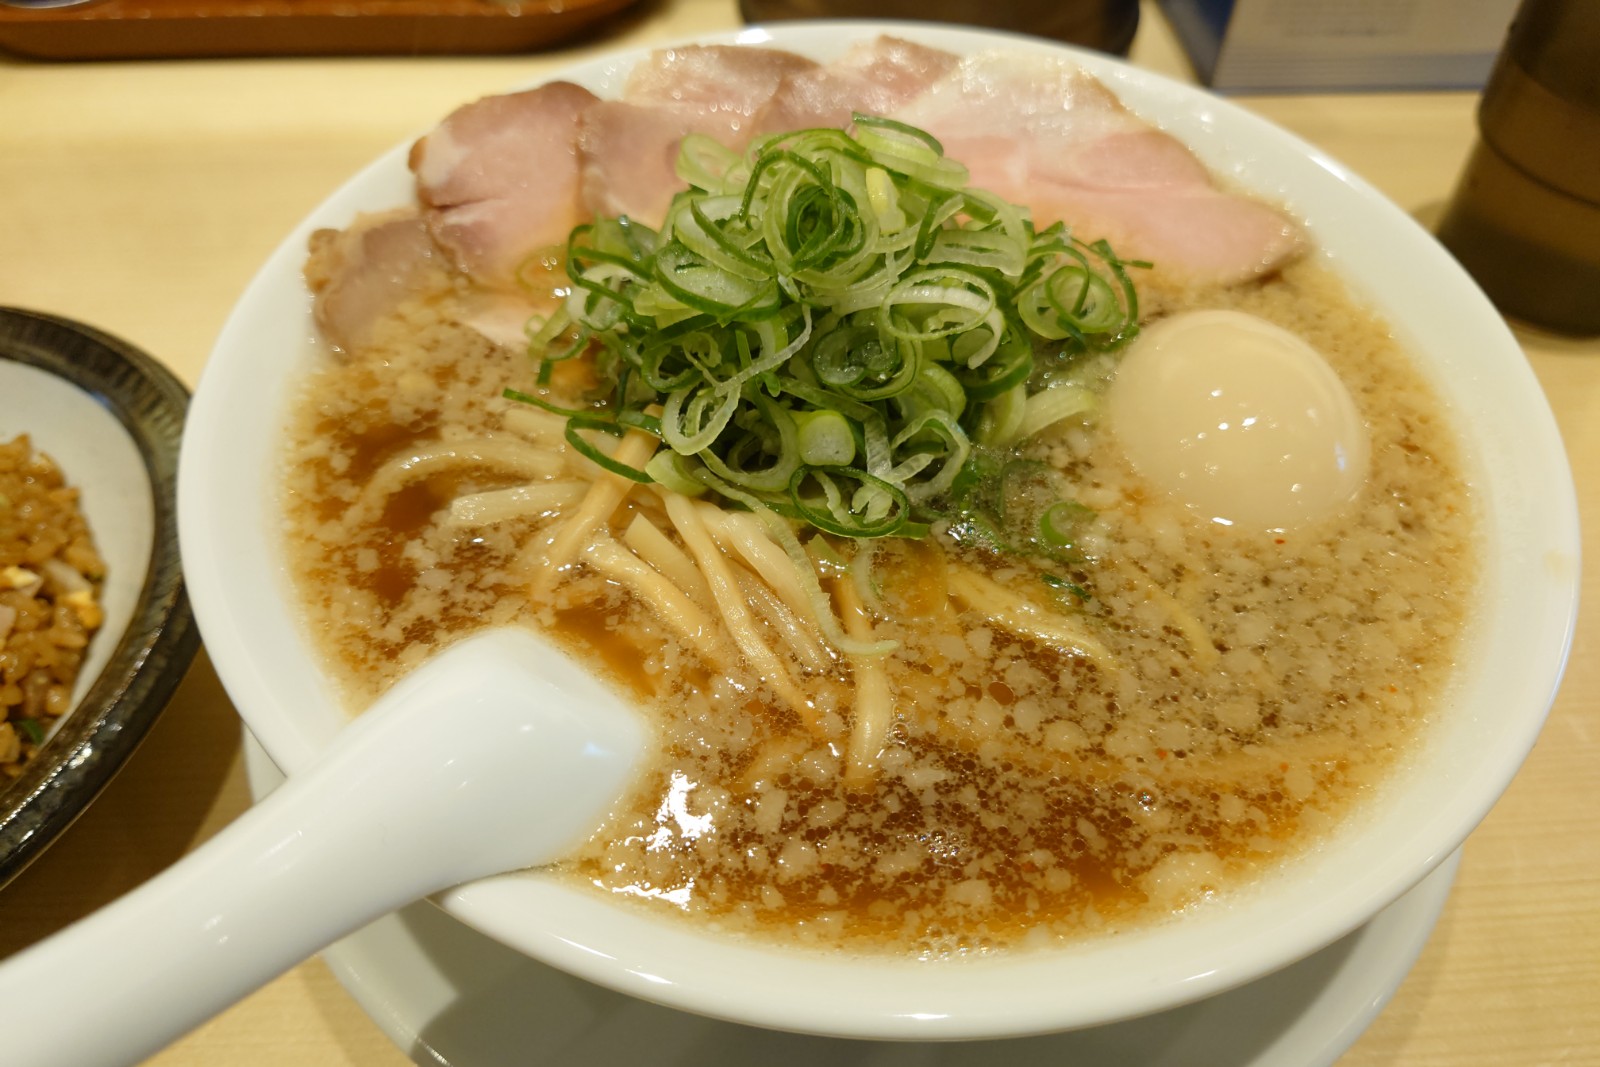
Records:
x=832, y=326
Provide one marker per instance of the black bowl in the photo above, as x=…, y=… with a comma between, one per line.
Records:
x=130, y=410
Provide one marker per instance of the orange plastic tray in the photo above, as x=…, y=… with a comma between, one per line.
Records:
x=130, y=29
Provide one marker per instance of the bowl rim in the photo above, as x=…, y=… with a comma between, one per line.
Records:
x=161, y=638
x=1531, y=488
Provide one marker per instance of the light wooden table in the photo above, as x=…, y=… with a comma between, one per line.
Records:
x=141, y=198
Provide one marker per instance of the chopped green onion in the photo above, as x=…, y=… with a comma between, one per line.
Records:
x=1049, y=406
x=541, y=402
x=671, y=471
x=32, y=728
x=1059, y=525
x=1062, y=585
x=850, y=502
x=825, y=438
x=827, y=324
x=1003, y=416
x=587, y=448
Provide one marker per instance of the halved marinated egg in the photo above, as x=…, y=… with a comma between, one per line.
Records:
x=1238, y=419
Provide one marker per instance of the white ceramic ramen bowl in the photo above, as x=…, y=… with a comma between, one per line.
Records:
x=1507, y=678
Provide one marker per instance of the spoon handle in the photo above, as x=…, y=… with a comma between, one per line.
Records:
x=428, y=789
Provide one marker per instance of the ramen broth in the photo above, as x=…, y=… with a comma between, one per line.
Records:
x=1254, y=688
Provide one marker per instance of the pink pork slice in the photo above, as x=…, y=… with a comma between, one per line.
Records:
x=630, y=146
x=362, y=273
x=499, y=178
x=1040, y=132
x=874, y=77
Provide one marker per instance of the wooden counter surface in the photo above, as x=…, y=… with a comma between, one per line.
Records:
x=141, y=198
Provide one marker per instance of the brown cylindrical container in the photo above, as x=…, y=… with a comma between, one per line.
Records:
x=1106, y=25
x=1525, y=220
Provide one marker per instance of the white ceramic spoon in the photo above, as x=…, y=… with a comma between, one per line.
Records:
x=471, y=766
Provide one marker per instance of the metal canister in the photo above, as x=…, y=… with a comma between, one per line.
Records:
x=1525, y=219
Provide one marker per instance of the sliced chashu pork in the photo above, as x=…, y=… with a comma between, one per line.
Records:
x=360, y=274
x=630, y=156
x=630, y=146
x=506, y=176
x=499, y=178
x=1040, y=132
x=874, y=77
x=734, y=80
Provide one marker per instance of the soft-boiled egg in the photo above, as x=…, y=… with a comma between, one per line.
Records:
x=1238, y=419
